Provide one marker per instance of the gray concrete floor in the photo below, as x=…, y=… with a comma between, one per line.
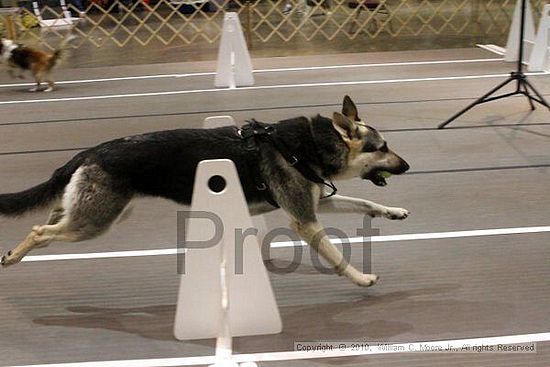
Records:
x=489, y=170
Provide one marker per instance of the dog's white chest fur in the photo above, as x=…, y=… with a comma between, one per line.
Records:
x=7, y=49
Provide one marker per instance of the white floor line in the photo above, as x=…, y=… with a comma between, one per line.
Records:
x=260, y=71
x=493, y=48
x=264, y=87
x=389, y=238
x=114, y=79
x=388, y=64
x=302, y=355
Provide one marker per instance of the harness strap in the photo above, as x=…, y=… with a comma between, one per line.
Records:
x=301, y=167
x=257, y=130
x=249, y=133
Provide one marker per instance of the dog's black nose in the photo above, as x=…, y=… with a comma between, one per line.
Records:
x=404, y=166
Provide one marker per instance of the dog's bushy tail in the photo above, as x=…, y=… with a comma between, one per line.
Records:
x=61, y=51
x=41, y=195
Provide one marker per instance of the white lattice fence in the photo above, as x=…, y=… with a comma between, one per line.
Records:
x=167, y=22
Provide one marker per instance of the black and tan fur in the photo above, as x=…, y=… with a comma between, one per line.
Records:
x=88, y=194
x=20, y=58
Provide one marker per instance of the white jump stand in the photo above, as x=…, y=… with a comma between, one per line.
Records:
x=218, y=121
x=234, y=64
x=215, y=299
x=512, y=46
x=66, y=21
x=539, y=56
x=258, y=220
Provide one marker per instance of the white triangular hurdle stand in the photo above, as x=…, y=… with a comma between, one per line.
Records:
x=259, y=220
x=66, y=21
x=216, y=300
x=512, y=47
x=539, y=56
x=234, y=64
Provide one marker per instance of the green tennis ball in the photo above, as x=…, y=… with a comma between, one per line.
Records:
x=29, y=21
x=384, y=174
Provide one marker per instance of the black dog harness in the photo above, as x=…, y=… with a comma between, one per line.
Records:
x=255, y=132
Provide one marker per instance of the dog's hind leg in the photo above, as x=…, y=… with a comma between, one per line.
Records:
x=346, y=204
x=92, y=201
x=55, y=216
x=38, y=80
x=50, y=82
x=38, y=75
x=40, y=236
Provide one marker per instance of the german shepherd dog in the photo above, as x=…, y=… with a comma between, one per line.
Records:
x=92, y=190
x=20, y=58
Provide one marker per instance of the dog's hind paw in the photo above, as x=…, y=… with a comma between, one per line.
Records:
x=396, y=213
x=3, y=260
x=8, y=259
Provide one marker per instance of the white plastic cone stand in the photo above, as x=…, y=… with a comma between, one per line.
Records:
x=258, y=220
x=199, y=311
x=224, y=342
x=234, y=64
x=512, y=46
x=539, y=56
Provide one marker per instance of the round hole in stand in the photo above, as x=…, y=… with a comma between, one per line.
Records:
x=217, y=184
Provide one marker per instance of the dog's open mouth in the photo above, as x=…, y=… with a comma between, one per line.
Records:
x=378, y=177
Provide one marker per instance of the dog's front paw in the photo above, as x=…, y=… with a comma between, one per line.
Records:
x=365, y=280
x=396, y=213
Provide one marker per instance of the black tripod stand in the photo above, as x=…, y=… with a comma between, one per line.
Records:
x=522, y=87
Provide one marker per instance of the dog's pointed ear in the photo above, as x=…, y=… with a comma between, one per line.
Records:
x=349, y=109
x=344, y=125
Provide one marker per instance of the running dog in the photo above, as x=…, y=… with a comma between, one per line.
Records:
x=287, y=164
x=20, y=58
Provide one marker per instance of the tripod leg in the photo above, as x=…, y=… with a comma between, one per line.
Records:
x=541, y=100
x=475, y=103
x=526, y=92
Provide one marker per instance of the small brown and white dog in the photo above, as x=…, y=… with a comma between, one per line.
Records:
x=20, y=58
